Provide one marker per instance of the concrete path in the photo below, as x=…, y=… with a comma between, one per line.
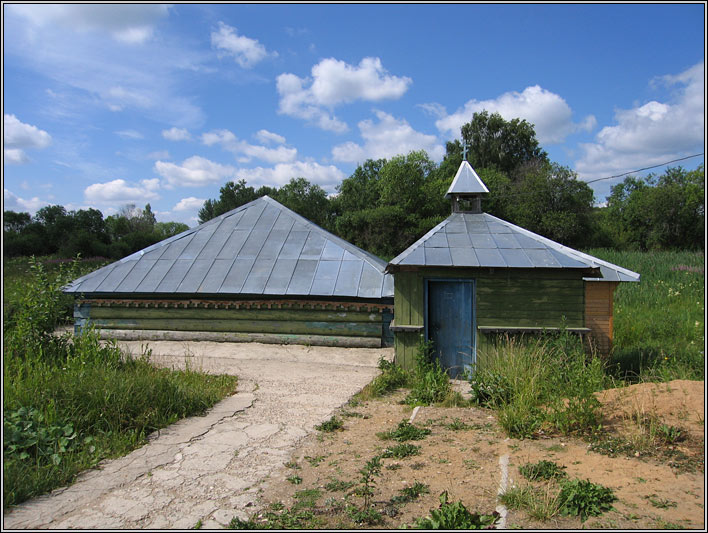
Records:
x=210, y=468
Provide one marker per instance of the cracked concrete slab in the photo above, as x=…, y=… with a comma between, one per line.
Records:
x=210, y=468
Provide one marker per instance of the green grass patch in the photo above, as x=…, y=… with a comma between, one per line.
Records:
x=331, y=425
x=543, y=470
x=454, y=515
x=401, y=450
x=69, y=402
x=404, y=432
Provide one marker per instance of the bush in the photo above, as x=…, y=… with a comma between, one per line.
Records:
x=431, y=384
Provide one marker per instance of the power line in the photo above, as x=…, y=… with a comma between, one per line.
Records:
x=645, y=168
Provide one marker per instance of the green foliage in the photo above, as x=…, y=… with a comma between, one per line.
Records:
x=659, y=212
x=542, y=470
x=295, y=480
x=455, y=516
x=337, y=485
x=391, y=378
x=405, y=432
x=331, y=425
x=69, y=403
x=408, y=494
x=401, y=451
x=431, y=384
x=281, y=519
x=583, y=498
x=489, y=389
x=306, y=498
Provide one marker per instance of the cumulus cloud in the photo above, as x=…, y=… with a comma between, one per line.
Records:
x=385, y=138
x=246, y=52
x=129, y=23
x=12, y=202
x=189, y=204
x=121, y=191
x=327, y=176
x=176, y=134
x=333, y=83
x=267, y=137
x=547, y=111
x=193, y=172
x=18, y=137
x=653, y=132
x=247, y=151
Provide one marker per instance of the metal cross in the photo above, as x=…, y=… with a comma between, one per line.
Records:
x=464, y=150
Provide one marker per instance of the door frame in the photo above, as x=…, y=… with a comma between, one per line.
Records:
x=426, y=309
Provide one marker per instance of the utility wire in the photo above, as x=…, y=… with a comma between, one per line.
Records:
x=645, y=168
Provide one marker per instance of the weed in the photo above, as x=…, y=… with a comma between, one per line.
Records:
x=670, y=434
x=431, y=384
x=411, y=493
x=404, y=432
x=458, y=425
x=198, y=525
x=285, y=519
x=541, y=503
x=306, y=498
x=315, y=461
x=401, y=450
x=583, y=498
x=393, y=466
x=331, y=425
x=293, y=465
x=369, y=472
x=364, y=516
x=660, y=503
x=392, y=377
x=455, y=516
x=542, y=470
x=295, y=480
x=337, y=485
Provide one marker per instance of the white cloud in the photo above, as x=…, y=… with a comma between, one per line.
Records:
x=230, y=142
x=386, y=138
x=246, y=52
x=327, y=176
x=129, y=23
x=193, y=172
x=176, y=134
x=121, y=191
x=160, y=154
x=18, y=136
x=130, y=134
x=334, y=83
x=651, y=133
x=12, y=202
x=267, y=137
x=547, y=111
x=189, y=204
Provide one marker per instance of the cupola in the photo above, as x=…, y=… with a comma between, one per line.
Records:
x=466, y=189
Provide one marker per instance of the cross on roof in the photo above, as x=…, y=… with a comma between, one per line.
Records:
x=464, y=150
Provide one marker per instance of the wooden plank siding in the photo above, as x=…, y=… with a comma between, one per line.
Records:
x=503, y=299
x=599, y=298
x=304, y=320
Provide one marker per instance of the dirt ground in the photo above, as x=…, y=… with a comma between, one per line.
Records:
x=462, y=456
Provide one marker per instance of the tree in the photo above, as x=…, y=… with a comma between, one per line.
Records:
x=165, y=230
x=15, y=221
x=306, y=199
x=495, y=142
x=659, y=212
x=232, y=195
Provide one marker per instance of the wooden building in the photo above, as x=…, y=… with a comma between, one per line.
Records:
x=474, y=276
x=258, y=273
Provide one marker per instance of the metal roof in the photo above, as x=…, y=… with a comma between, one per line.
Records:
x=483, y=240
x=466, y=181
x=259, y=248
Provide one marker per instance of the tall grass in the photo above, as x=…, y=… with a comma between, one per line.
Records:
x=659, y=322
x=70, y=402
x=539, y=384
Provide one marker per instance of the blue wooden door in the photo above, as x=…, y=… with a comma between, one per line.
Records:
x=450, y=323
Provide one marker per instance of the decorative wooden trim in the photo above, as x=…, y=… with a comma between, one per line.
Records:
x=524, y=329
x=240, y=304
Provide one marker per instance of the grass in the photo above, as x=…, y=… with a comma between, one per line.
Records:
x=69, y=403
x=659, y=322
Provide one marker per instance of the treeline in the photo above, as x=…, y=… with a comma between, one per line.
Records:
x=55, y=231
x=387, y=204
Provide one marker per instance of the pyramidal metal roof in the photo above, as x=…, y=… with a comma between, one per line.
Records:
x=466, y=181
x=260, y=248
x=483, y=240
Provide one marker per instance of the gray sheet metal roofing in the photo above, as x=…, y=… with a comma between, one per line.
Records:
x=483, y=240
x=259, y=248
x=466, y=181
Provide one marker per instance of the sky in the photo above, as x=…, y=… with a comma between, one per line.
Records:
x=112, y=104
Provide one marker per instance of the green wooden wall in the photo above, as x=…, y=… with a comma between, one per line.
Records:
x=278, y=321
x=503, y=298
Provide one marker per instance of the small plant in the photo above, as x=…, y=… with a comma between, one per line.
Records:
x=408, y=494
x=315, y=461
x=458, y=425
x=455, y=516
x=337, y=485
x=293, y=465
x=295, y=480
x=489, y=389
x=198, y=525
x=306, y=498
x=331, y=425
x=431, y=383
x=670, y=434
x=541, y=503
x=401, y=450
x=368, y=516
x=404, y=432
x=583, y=498
x=392, y=377
x=542, y=470
x=660, y=503
x=371, y=470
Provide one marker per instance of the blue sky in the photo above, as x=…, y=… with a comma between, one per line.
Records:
x=106, y=105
